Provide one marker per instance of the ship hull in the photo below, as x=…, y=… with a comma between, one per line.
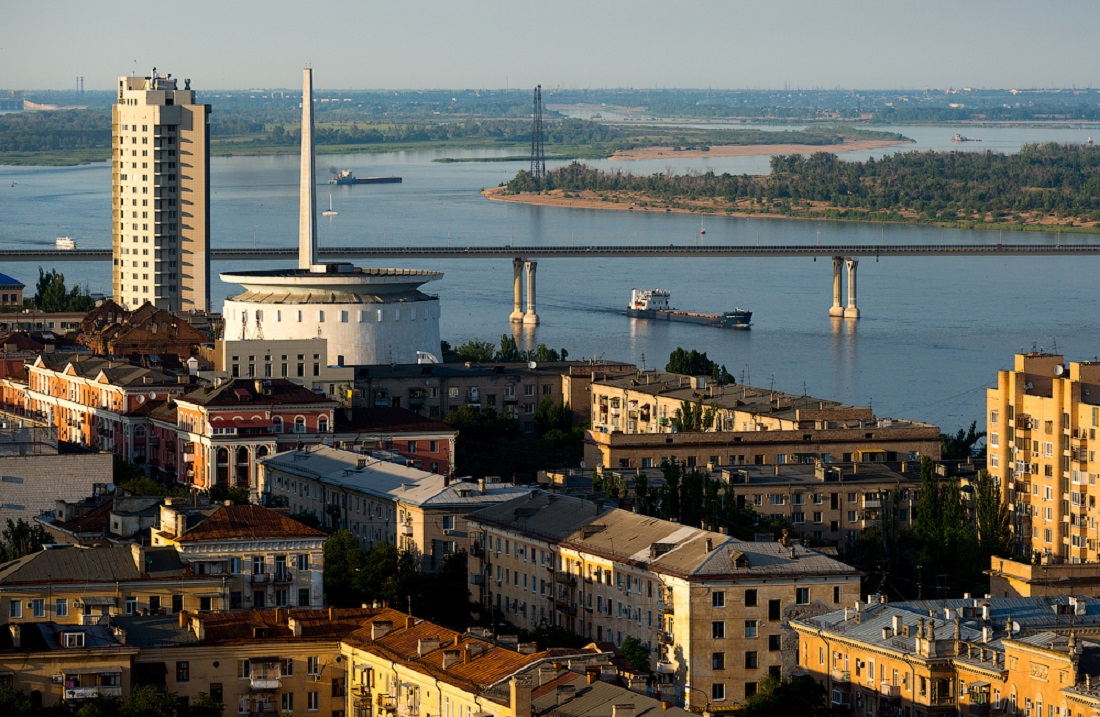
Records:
x=729, y=320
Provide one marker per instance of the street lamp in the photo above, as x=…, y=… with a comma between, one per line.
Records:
x=706, y=697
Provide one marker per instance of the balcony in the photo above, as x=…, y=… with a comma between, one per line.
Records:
x=890, y=692
x=263, y=683
x=387, y=703
x=283, y=576
x=87, y=693
x=665, y=638
x=260, y=578
x=477, y=579
x=842, y=676
x=565, y=579
x=561, y=605
x=665, y=667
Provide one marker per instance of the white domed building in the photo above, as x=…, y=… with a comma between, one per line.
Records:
x=368, y=316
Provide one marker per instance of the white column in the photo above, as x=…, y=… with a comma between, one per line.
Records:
x=836, y=309
x=307, y=192
x=851, y=312
x=516, y=316
x=531, y=317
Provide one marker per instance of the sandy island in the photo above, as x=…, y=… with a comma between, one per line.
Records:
x=752, y=150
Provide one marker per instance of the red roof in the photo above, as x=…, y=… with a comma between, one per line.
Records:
x=248, y=522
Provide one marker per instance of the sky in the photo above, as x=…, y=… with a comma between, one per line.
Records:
x=496, y=44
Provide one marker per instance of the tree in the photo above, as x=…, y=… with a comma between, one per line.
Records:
x=52, y=296
x=204, y=706
x=636, y=654
x=236, y=494
x=961, y=445
x=509, y=351
x=23, y=538
x=476, y=351
x=693, y=363
x=693, y=417
x=800, y=695
x=343, y=561
x=992, y=518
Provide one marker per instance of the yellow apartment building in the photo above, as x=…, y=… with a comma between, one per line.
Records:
x=1041, y=425
x=974, y=657
x=712, y=609
x=633, y=425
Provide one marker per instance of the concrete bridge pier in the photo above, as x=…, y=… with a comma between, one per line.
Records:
x=850, y=311
x=837, y=310
x=531, y=317
x=516, y=317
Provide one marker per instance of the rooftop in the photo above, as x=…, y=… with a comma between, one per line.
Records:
x=389, y=480
x=116, y=373
x=248, y=522
x=660, y=545
x=247, y=391
x=73, y=564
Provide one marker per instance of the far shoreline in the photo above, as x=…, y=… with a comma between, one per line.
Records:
x=751, y=150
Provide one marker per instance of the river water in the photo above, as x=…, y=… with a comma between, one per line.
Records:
x=934, y=329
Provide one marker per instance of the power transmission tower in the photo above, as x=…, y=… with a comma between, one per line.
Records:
x=538, y=155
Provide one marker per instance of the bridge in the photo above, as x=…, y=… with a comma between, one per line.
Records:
x=584, y=251
x=524, y=258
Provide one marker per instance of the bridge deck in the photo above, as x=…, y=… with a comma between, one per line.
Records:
x=574, y=252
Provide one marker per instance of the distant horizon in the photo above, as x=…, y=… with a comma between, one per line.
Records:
x=804, y=44
x=545, y=89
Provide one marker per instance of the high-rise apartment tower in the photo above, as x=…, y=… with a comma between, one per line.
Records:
x=160, y=186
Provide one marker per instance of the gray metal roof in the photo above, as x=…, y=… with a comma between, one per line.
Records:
x=90, y=565
x=594, y=700
x=662, y=545
x=388, y=480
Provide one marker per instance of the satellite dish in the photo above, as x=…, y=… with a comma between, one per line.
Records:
x=1059, y=370
x=1015, y=627
x=531, y=364
x=152, y=395
x=1028, y=385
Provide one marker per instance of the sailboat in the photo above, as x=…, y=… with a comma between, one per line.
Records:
x=702, y=230
x=330, y=212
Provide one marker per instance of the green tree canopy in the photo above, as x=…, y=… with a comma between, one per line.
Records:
x=693, y=363
x=52, y=296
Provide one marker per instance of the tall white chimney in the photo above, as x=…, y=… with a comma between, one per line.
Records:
x=307, y=195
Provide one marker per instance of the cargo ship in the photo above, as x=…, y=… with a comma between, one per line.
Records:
x=346, y=177
x=654, y=304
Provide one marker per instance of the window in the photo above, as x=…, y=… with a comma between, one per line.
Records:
x=244, y=669
x=750, y=628
x=802, y=596
x=773, y=610
x=38, y=608
x=718, y=691
x=286, y=667
x=313, y=700
x=718, y=661
x=131, y=605
x=303, y=561
x=750, y=660
x=73, y=639
x=448, y=522
x=718, y=599
x=288, y=702
x=313, y=665
x=183, y=671
x=718, y=630
x=61, y=607
x=774, y=643
x=750, y=598
x=15, y=609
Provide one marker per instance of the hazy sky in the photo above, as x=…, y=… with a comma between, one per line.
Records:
x=368, y=44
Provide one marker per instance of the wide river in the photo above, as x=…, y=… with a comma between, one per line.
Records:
x=934, y=329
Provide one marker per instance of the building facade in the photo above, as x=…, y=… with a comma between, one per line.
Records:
x=1041, y=425
x=380, y=502
x=160, y=186
x=11, y=291
x=634, y=425
x=712, y=609
x=975, y=657
x=263, y=558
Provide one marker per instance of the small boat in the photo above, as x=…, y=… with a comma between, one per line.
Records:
x=702, y=230
x=654, y=304
x=961, y=138
x=330, y=212
x=65, y=243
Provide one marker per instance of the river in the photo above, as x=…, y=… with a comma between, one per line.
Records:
x=933, y=334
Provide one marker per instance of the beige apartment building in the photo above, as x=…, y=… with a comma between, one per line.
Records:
x=263, y=559
x=965, y=657
x=1041, y=425
x=712, y=609
x=160, y=183
x=633, y=425
x=379, y=501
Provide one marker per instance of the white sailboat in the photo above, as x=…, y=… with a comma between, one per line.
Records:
x=330, y=212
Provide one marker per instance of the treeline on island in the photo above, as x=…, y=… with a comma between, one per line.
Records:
x=1053, y=182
